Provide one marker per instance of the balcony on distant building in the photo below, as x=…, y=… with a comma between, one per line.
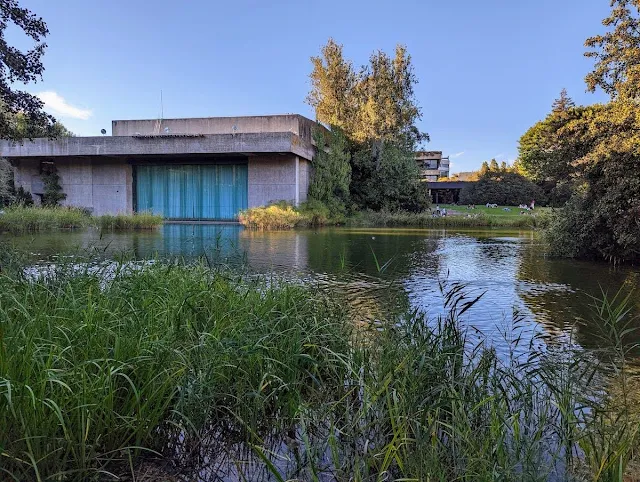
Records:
x=432, y=165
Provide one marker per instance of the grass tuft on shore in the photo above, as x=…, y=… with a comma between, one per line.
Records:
x=130, y=221
x=19, y=219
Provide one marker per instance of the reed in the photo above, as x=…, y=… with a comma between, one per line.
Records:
x=19, y=219
x=108, y=368
x=134, y=221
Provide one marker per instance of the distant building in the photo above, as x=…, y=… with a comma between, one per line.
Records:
x=432, y=165
x=206, y=168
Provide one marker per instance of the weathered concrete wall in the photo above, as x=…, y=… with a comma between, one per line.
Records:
x=272, y=178
x=294, y=123
x=305, y=174
x=104, y=186
x=171, y=145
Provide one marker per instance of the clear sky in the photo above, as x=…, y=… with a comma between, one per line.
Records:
x=487, y=69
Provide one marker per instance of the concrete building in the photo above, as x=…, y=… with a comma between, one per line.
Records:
x=432, y=165
x=205, y=168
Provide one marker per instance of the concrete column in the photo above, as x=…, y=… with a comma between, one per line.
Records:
x=297, y=161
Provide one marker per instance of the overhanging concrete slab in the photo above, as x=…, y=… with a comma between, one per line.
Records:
x=161, y=145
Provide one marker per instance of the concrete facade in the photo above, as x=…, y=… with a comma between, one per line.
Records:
x=294, y=123
x=102, y=186
x=272, y=178
x=433, y=165
x=98, y=172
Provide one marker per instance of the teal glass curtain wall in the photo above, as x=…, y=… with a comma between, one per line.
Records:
x=207, y=191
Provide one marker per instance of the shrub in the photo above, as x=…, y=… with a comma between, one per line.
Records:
x=53, y=193
x=280, y=215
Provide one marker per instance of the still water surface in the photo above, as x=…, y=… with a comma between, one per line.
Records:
x=378, y=270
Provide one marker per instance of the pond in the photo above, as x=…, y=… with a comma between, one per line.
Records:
x=378, y=270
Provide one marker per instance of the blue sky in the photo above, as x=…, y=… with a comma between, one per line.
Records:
x=487, y=70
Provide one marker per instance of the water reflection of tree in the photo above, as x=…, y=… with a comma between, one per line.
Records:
x=559, y=292
x=368, y=266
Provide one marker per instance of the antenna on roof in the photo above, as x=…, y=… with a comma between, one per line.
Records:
x=156, y=130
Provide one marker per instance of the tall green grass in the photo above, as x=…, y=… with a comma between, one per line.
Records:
x=19, y=219
x=130, y=221
x=104, y=368
x=95, y=371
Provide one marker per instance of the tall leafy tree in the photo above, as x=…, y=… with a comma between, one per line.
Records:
x=375, y=104
x=617, y=52
x=598, y=149
x=332, y=170
x=333, y=80
x=377, y=110
x=21, y=66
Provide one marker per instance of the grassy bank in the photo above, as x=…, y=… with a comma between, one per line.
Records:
x=285, y=216
x=428, y=220
x=109, y=371
x=19, y=220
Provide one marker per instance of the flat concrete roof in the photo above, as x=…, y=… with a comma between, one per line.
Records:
x=160, y=145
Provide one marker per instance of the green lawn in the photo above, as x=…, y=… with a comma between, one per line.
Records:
x=481, y=209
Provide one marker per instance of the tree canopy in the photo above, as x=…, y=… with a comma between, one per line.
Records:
x=593, y=152
x=25, y=67
x=332, y=170
x=617, y=52
x=376, y=103
x=376, y=110
x=503, y=186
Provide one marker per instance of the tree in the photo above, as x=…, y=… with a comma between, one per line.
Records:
x=17, y=66
x=377, y=104
x=493, y=165
x=332, y=170
x=7, y=194
x=563, y=103
x=484, y=168
x=332, y=87
x=388, y=180
x=617, y=52
x=377, y=111
x=506, y=188
x=53, y=193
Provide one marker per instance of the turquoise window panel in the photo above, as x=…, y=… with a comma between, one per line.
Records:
x=207, y=191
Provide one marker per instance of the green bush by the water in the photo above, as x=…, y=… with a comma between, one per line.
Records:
x=105, y=371
x=18, y=219
x=130, y=221
x=274, y=216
